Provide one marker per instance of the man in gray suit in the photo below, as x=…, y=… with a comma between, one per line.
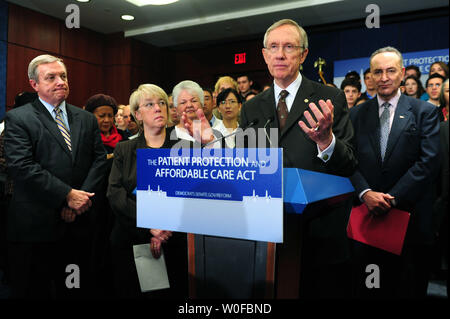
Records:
x=56, y=159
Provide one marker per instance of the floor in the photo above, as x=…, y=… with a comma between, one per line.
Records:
x=436, y=289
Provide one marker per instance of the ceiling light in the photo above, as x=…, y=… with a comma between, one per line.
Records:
x=141, y=3
x=83, y=0
x=127, y=17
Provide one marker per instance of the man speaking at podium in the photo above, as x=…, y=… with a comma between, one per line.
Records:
x=315, y=133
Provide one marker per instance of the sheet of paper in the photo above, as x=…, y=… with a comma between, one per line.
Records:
x=152, y=272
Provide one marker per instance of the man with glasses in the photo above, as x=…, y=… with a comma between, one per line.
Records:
x=315, y=133
x=433, y=88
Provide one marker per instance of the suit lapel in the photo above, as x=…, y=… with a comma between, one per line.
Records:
x=304, y=93
x=268, y=108
x=401, y=117
x=48, y=121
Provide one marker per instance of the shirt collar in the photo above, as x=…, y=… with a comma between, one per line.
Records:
x=50, y=107
x=292, y=88
x=393, y=101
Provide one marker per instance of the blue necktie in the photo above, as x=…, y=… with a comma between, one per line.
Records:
x=384, y=128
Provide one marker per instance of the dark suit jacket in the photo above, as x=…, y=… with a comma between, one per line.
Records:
x=411, y=160
x=44, y=170
x=122, y=183
x=300, y=151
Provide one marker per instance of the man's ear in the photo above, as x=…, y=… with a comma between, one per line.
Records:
x=34, y=84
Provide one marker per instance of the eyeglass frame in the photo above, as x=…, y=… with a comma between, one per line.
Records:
x=274, y=48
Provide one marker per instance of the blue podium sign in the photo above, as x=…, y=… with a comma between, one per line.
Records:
x=234, y=193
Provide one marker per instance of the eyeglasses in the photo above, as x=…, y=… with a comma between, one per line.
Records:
x=287, y=48
x=230, y=102
x=151, y=105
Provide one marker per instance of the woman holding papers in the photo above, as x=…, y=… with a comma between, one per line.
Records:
x=149, y=105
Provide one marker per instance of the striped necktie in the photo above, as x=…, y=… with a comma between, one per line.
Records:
x=62, y=127
x=384, y=128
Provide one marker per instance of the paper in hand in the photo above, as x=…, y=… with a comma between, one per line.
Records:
x=152, y=272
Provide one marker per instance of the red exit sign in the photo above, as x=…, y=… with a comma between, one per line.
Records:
x=239, y=58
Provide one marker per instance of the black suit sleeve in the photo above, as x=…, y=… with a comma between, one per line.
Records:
x=123, y=202
x=23, y=167
x=98, y=169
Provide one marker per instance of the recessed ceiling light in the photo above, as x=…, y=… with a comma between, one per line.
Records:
x=83, y=0
x=141, y=3
x=127, y=17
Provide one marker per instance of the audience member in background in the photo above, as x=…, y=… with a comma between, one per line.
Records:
x=57, y=161
x=413, y=87
x=436, y=68
x=6, y=187
x=371, y=89
x=133, y=128
x=443, y=102
x=250, y=96
x=229, y=105
x=412, y=70
x=353, y=75
x=433, y=87
x=224, y=82
x=439, y=68
x=244, y=85
x=352, y=90
x=208, y=107
x=119, y=121
x=149, y=105
x=104, y=107
x=173, y=115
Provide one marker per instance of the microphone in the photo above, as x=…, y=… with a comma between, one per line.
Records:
x=254, y=122
x=269, y=120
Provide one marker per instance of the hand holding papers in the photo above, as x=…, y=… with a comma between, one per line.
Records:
x=152, y=272
x=386, y=232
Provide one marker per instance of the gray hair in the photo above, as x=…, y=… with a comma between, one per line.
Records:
x=302, y=33
x=189, y=86
x=387, y=49
x=33, y=73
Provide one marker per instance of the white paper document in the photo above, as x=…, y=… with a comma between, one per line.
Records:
x=152, y=272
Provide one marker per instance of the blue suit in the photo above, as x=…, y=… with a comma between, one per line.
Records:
x=411, y=162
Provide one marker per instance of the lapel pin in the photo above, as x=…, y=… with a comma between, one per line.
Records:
x=402, y=117
x=306, y=100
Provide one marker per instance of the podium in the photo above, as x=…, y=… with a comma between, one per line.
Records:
x=245, y=269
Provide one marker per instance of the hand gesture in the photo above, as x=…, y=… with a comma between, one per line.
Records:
x=320, y=131
x=199, y=129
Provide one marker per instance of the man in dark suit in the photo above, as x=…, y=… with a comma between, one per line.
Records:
x=397, y=146
x=323, y=146
x=56, y=159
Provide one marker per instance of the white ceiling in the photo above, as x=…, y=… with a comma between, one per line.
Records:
x=192, y=21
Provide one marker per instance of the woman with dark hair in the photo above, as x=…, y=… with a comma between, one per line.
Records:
x=443, y=102
x=229, y=105
x=413, y=87
x=104, y=107
x=440, y=68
